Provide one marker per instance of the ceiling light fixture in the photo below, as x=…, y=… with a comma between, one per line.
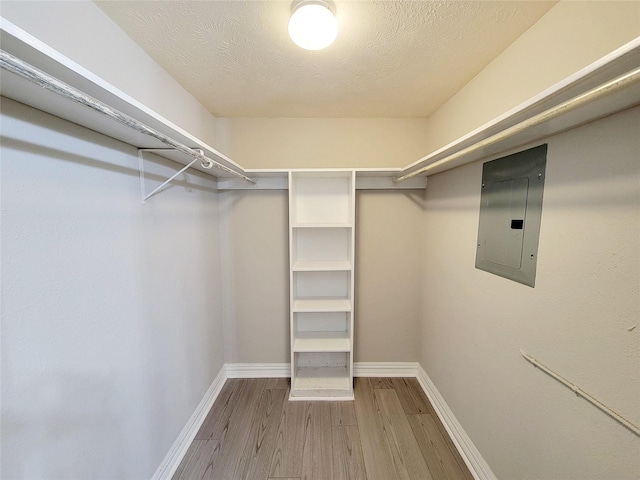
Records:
x=313, y=25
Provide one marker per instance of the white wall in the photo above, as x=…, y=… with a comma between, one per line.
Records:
x=579, y=319
x=86, y=35
x=388, y=277
x=254, y=228
x=255, y=256
x=323, y=142
x=111, y=311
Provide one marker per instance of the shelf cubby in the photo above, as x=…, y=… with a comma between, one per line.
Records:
x=327, y=248
x=322, y=376
x=322, y=198
x=322, y=332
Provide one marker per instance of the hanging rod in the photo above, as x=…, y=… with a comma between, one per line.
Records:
x=42, y=79
x=592, y=95
x=578, y=391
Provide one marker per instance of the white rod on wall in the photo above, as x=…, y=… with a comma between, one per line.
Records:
x=34, y=75
x=578, y=391
x=592, y=95
x=161, y=186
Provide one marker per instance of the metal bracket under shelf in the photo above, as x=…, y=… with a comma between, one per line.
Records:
x=206, y=163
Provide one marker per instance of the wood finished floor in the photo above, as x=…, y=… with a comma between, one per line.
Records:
x=389, y=432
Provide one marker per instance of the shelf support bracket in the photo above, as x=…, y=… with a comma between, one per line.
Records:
x=141, y=151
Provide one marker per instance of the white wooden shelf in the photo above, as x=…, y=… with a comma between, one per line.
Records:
x=322, y=225
x=322, y=342
x=322, y=266
x=472, y=147
x=366, y=179
x=322, y=305
x=27, y=48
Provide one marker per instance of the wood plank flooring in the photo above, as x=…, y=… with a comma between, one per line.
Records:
x=389, y=432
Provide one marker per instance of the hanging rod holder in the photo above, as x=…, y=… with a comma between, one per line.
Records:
x=44, y=80
x=581, y=393
x=159, y=187
x=623, y=81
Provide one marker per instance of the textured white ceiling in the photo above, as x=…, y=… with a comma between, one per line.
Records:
x=391, y=58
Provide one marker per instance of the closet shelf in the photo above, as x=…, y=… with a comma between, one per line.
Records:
x=77, y=95
x=322, y=342
x=321, y=305
x=366, y=179
x=322, y=225
x=585, y=96
x=321, y=266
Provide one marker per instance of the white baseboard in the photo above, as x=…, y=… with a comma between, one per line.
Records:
x=360, y=369
x=258, y=370
x=179, y=448
x=385, y=369
x=470, y=454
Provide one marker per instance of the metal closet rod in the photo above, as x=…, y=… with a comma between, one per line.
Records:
x=34, y=75
x=592, y=95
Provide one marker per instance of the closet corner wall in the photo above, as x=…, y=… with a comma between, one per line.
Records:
x=321, y=269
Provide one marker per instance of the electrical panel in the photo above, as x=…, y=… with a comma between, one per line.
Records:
x=510, y=214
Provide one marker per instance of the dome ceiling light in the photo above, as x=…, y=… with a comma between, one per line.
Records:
x=313, y=24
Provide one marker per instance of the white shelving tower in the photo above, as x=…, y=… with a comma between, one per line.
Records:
x=321, y=256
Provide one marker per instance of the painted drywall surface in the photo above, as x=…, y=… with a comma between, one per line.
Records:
x=388, y=277
x=572, y=35
x=579, y=319
x=323, y=142
x=255, y=256
x=254, y=250
x=111, y=312
x=85, y=34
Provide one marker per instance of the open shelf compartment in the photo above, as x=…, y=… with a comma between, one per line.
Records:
x=322, y=198
x=322, y=284
x=322, y=332
x=321, y=342
x=322, y=376
x=318, y=249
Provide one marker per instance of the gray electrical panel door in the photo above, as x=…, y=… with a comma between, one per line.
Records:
x=510, y=214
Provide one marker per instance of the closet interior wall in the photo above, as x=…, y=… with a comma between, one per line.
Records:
x=254, y=229
x=302, y=142
x=111, y=310
x=580, y=319
x=134, y=290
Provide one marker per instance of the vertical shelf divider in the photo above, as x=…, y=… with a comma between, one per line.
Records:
x=321, y=274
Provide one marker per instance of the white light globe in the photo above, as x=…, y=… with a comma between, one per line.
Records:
x=313, y=26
